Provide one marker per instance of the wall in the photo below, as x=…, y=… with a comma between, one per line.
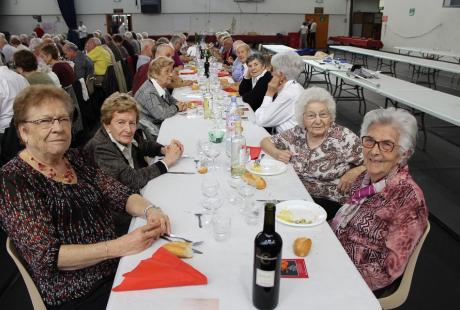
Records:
x=15, y=15
x=432, y=26
x=366, y=6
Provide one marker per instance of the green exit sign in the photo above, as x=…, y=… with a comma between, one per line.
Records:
x=411, y=11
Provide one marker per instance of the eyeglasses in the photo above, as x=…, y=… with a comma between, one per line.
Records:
x=384, y=146
x=49, y=122
x=313, y=116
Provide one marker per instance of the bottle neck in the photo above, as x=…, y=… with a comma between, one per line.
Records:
x=269, y=219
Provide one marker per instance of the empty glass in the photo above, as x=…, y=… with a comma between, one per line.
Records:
x=246, y=191
x=212, y=151
x=221, y=227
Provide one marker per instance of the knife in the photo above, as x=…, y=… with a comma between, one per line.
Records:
x=181, y=172
x=196, y=251
x=270, y=200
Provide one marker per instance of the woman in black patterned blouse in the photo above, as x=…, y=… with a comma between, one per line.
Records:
x=56, y=208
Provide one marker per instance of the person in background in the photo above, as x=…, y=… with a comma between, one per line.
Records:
x=7, y=50
x=82, y=34
x=386, y=213
x=155, y=102
x=98, y=55
x=312, y=33
x=50, y=55
x=16, y=43
x=227, y=54
x=27, y=66
x=146, y=52
x=176, y=42
x=145, y=35
x=255, y=81
x=122, y=29
x=131, y=39
x=303, y=35
x=49, y=189
x=83, y=66
x=118, y=40
x=39, y=31
x=240, y=68
x=277, y=109
x=24, y=39
x=11, y=84
x=120, y=149
x=327, y=157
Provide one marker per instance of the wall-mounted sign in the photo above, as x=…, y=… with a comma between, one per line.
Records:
x=117, y=11
x=411, y=11
x=319, y=10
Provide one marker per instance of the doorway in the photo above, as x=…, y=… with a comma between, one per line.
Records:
x=322, y=28
x=113, y=22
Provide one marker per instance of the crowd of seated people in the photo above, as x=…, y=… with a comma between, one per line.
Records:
x=82, y=124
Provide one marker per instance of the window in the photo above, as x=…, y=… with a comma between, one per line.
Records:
x=452, y=3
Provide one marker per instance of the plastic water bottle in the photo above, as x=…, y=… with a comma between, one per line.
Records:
x=231, y=118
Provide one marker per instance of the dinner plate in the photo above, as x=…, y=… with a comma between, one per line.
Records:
x=301, y=209
x=268, y=167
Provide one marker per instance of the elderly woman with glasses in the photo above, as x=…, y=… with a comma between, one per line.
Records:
x=326, y=156
x=155, y=102
x=55, y=207
x=277, y=109
x=385, y=214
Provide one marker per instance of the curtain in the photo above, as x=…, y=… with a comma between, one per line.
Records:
x=67, y=8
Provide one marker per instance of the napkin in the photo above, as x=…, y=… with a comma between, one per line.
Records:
x=254, y=151
x=223, y=73
x=230, y=89
x=163, y=269
x=187, y=72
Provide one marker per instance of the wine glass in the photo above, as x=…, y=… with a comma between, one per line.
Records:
x=212, y=151
x=209, y=188
x=246, y=191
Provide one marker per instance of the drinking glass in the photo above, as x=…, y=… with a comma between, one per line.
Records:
x=252, y=212
x=221, y=227
x=212, y=151
x=210, y=186
x=246, y=191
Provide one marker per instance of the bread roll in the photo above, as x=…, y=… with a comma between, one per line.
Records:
x=302, y=246
x=254, y=180
x=179, y=248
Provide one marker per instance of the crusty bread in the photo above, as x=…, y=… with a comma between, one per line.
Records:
x=302, y=246
x=179, y=248
x=254, y=180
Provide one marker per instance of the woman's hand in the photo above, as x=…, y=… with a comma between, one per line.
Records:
x=155, y=215
x=181, y=106
x=284, y=156
x=173, y=153
x=137, y=240
x=348, y=178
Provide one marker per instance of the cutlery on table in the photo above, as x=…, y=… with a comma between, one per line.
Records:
x=168, y=238
x=181, y=172
x=198, y=215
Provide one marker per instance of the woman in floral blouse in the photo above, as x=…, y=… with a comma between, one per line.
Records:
x=386, y=214
x=56, y=208
x=326, y=156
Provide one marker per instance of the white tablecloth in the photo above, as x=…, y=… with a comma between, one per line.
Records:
x=333, y=283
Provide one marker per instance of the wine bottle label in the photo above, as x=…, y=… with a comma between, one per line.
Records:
x=265, y=278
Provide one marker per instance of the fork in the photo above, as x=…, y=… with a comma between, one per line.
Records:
x=257, y=161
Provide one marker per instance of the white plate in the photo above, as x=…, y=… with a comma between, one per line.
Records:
x=269, y=167
x=302, y=209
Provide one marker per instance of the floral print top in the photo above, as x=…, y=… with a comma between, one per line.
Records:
x=321, y=168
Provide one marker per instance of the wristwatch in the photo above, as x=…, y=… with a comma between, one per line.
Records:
x=150, y=206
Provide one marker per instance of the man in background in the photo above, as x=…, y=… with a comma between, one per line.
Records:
x=82, y=34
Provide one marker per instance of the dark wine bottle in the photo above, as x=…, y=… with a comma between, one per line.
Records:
x=206, y=64
x=267, y=263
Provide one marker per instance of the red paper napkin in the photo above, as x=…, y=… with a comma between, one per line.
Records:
x=230, y=90
x=223, y=73
x=187, y=72
x=163, y=269
x=197, y=102
x=254, y=151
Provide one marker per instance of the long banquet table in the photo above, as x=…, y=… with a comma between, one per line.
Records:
x=333, y=283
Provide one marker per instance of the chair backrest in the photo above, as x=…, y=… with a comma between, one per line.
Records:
x=400, y=295
x=35, y=297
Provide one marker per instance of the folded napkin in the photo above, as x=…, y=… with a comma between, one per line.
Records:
x=163, y=269
x=223, y=73
x=187, y=72
x=230, y=89
x=254, y=151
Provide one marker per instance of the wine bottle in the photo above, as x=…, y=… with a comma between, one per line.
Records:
x=267, y=263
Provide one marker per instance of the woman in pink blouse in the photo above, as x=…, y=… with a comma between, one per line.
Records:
x=327, y=157
x=386, y=214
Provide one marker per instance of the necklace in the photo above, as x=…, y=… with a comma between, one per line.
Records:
x=67, y=177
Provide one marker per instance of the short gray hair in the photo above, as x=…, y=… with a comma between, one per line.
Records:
x=314, y=94
x=175, y=39
x=289, y=63
x=145, y=35
x=147, y=42
x=128, y=35
x=34, y=43
x=401, y=120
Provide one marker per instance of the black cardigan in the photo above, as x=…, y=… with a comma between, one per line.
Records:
x=255, y=96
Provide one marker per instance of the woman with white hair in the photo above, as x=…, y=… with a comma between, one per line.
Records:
x=386, y=214
x=327, y=157
x=277, y=109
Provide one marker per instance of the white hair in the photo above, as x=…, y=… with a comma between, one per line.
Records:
x=175, y=39
x=139, y=36
x=2, y=35
x=289, y=63
x=145, y=35
x=128, y=35
x=34, y=43
x=311, y=95
x=147, y=42
x=401, y=120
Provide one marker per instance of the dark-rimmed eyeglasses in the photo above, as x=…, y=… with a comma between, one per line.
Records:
x=49, y=121
x=312, y=116
x=384, y=146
